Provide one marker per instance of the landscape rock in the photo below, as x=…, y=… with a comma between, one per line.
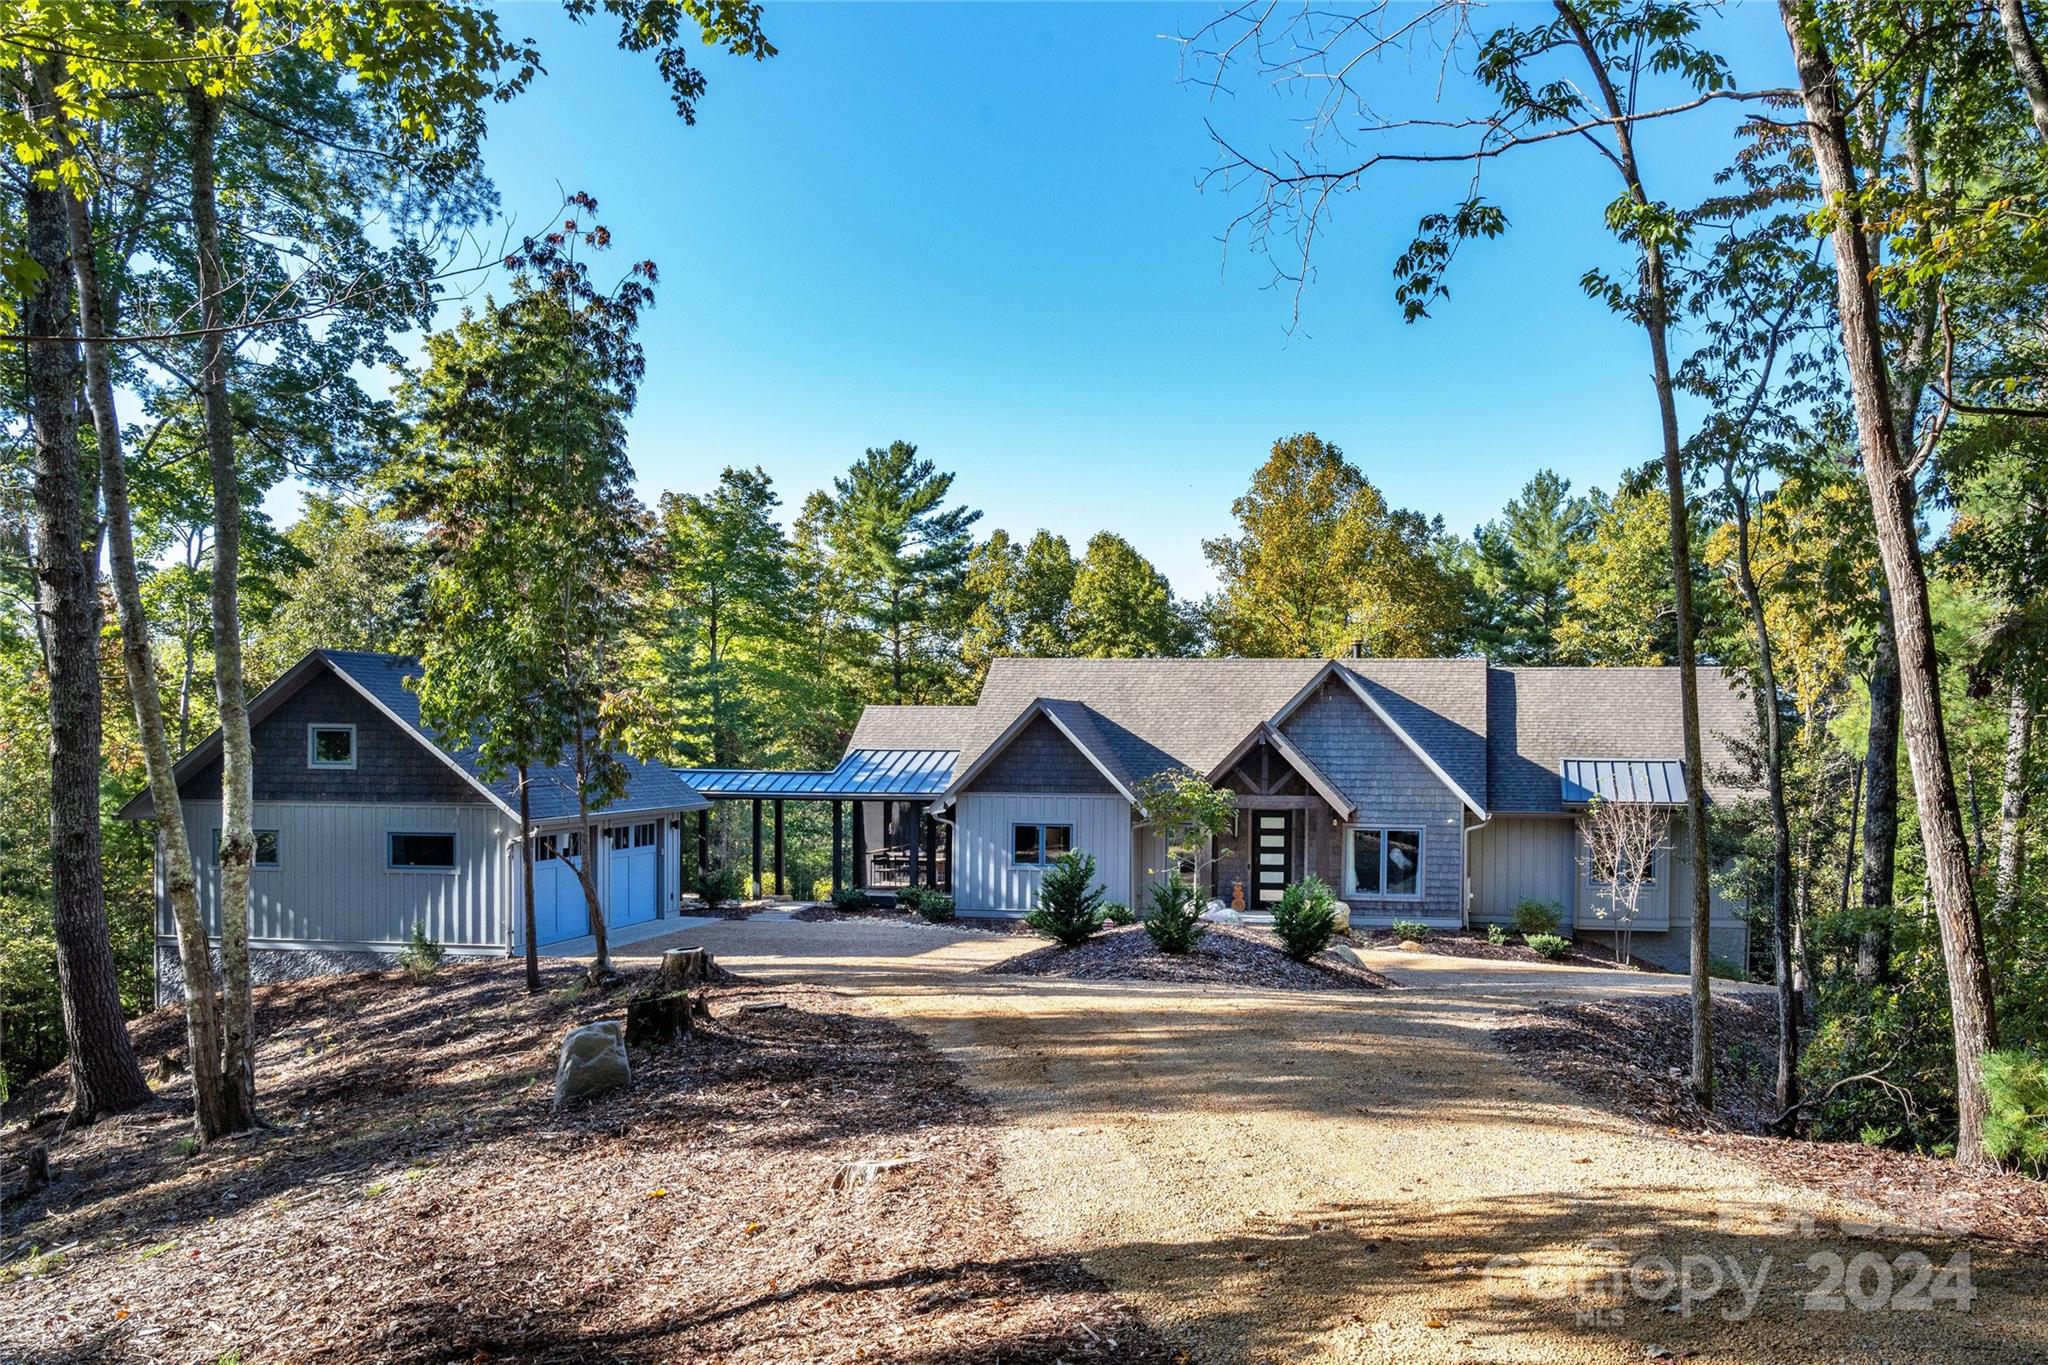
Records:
x=1219, y=913
x=593, y=1062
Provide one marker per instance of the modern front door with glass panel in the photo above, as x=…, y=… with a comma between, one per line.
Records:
x=1272, y=853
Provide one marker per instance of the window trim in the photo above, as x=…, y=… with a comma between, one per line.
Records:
x=313, y=759
x=454, y=851
x=1421, y=864
x=255, y=866
x=1593, y=878
x=1040, y=862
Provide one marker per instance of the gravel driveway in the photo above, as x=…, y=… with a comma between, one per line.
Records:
x=1280, y=1176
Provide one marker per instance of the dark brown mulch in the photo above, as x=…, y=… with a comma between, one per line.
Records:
x=1224, y=955
x=417, y=1200
x=875, y=914
x=1464, y=943
x=1632, y=1057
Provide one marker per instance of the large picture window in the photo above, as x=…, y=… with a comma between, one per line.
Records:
x=1037, y=845
x=1383, y=863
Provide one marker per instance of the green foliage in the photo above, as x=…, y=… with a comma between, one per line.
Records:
x=421, y=956
x=1551, y=946
x=850, y=898
x=1122, y=607
x=720, y=885
x=1175, y=924
x=1069, y=908
x=922, y=901
x=1538, y=917
x=1119, y=914
x=2016, y=1129
x=1018, y=600
x=1727, y=969
x=1410, y=928
x=1498, y=935
x=1305, y=918
x=1521, y=568
x=1190, y=813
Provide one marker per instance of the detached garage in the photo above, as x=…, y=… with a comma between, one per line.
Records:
x=366, y=826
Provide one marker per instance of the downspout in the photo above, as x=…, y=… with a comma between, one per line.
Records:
x=1465, y=868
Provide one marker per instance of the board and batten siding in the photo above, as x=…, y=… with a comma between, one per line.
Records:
x=1522, y=858
x=983, y=875
x=332, y=888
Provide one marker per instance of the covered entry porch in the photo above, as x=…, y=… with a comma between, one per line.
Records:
x=884, y=837
x=1288, y=823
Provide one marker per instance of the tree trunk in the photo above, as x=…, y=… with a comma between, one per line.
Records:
x=1787, y=1088
x=2012, y=804
x=237, y=779
x=1849, y=854
x=1880, y=801
x=1656, y=322
x=586, y=870
x=2026, y=61
x=1890, y=487
x=195, y=954
x=105, y=1078
x=532, y=924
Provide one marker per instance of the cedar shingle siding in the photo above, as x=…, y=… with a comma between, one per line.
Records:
x=391, y=765
x=1391, y=786
x=1041, y=759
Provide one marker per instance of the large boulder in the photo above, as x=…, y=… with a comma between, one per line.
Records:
x=593, y=1062
x=1219, y=913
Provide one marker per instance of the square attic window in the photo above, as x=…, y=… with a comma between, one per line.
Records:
x=330, y=746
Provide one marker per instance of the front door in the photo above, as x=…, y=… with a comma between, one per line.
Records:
x=1272, y=855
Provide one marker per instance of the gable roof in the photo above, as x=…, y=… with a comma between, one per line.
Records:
x=381, y=680
x=1075, y=722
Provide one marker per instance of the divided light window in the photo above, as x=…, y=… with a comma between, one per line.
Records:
x=331, y=746
x=1037, y=845
x=423, y=852
x=1386, y=863
x=266, y=848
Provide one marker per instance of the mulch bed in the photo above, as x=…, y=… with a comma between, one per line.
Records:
x=1632, y=1057
x=417, y=1200
x=1224, y=955
x=1463, y=943
x=875, y=914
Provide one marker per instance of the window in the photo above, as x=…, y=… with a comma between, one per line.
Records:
x=1384, y=863
x=1604, y=877
x=619, y=836
x=330, y=746
x=643, y=835
x=1037, y=845
x=266, y=848
x=422, y=852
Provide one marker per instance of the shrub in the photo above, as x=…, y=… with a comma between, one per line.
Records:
x=1069, y=909
x=821, y=889
x=849, y=898
x=1538, y=917
x=1410, y=928
x=1498, y=935
x=935, y=906
x=2016, y=1129
x=720, y=885
x=421, y=956
x=1175, y=924
x=1305, y=918
x=1116, y=912
x=1551, y=946
x=1727, y=968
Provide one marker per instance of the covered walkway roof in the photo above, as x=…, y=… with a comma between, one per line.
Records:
x=863, y=775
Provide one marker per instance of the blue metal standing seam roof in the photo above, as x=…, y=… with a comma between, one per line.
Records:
x=1647, y=781
x=864, y=774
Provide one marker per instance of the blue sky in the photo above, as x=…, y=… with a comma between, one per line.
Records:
x=978, y=228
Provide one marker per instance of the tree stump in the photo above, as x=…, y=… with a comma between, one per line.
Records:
x=658, y=1018
x=685, y=966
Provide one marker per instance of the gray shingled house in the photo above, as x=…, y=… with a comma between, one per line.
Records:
x=367, y=825
x=1438, y=790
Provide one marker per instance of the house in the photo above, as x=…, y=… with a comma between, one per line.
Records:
x=1443, y=791
x=366, y=825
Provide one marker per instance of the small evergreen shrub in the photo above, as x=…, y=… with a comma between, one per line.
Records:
x=2016, y=1129
x=421, y=956
x=1069, y=909
x=1305, y=918
x=1175, y=924
x=935, y=906
x=1117, y=913
x=849, y=898
x=1551, y=946
x=1498, y=935
x=1538, y=917
x=1410, y=928
x=720, y=886
x=1727, y=968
